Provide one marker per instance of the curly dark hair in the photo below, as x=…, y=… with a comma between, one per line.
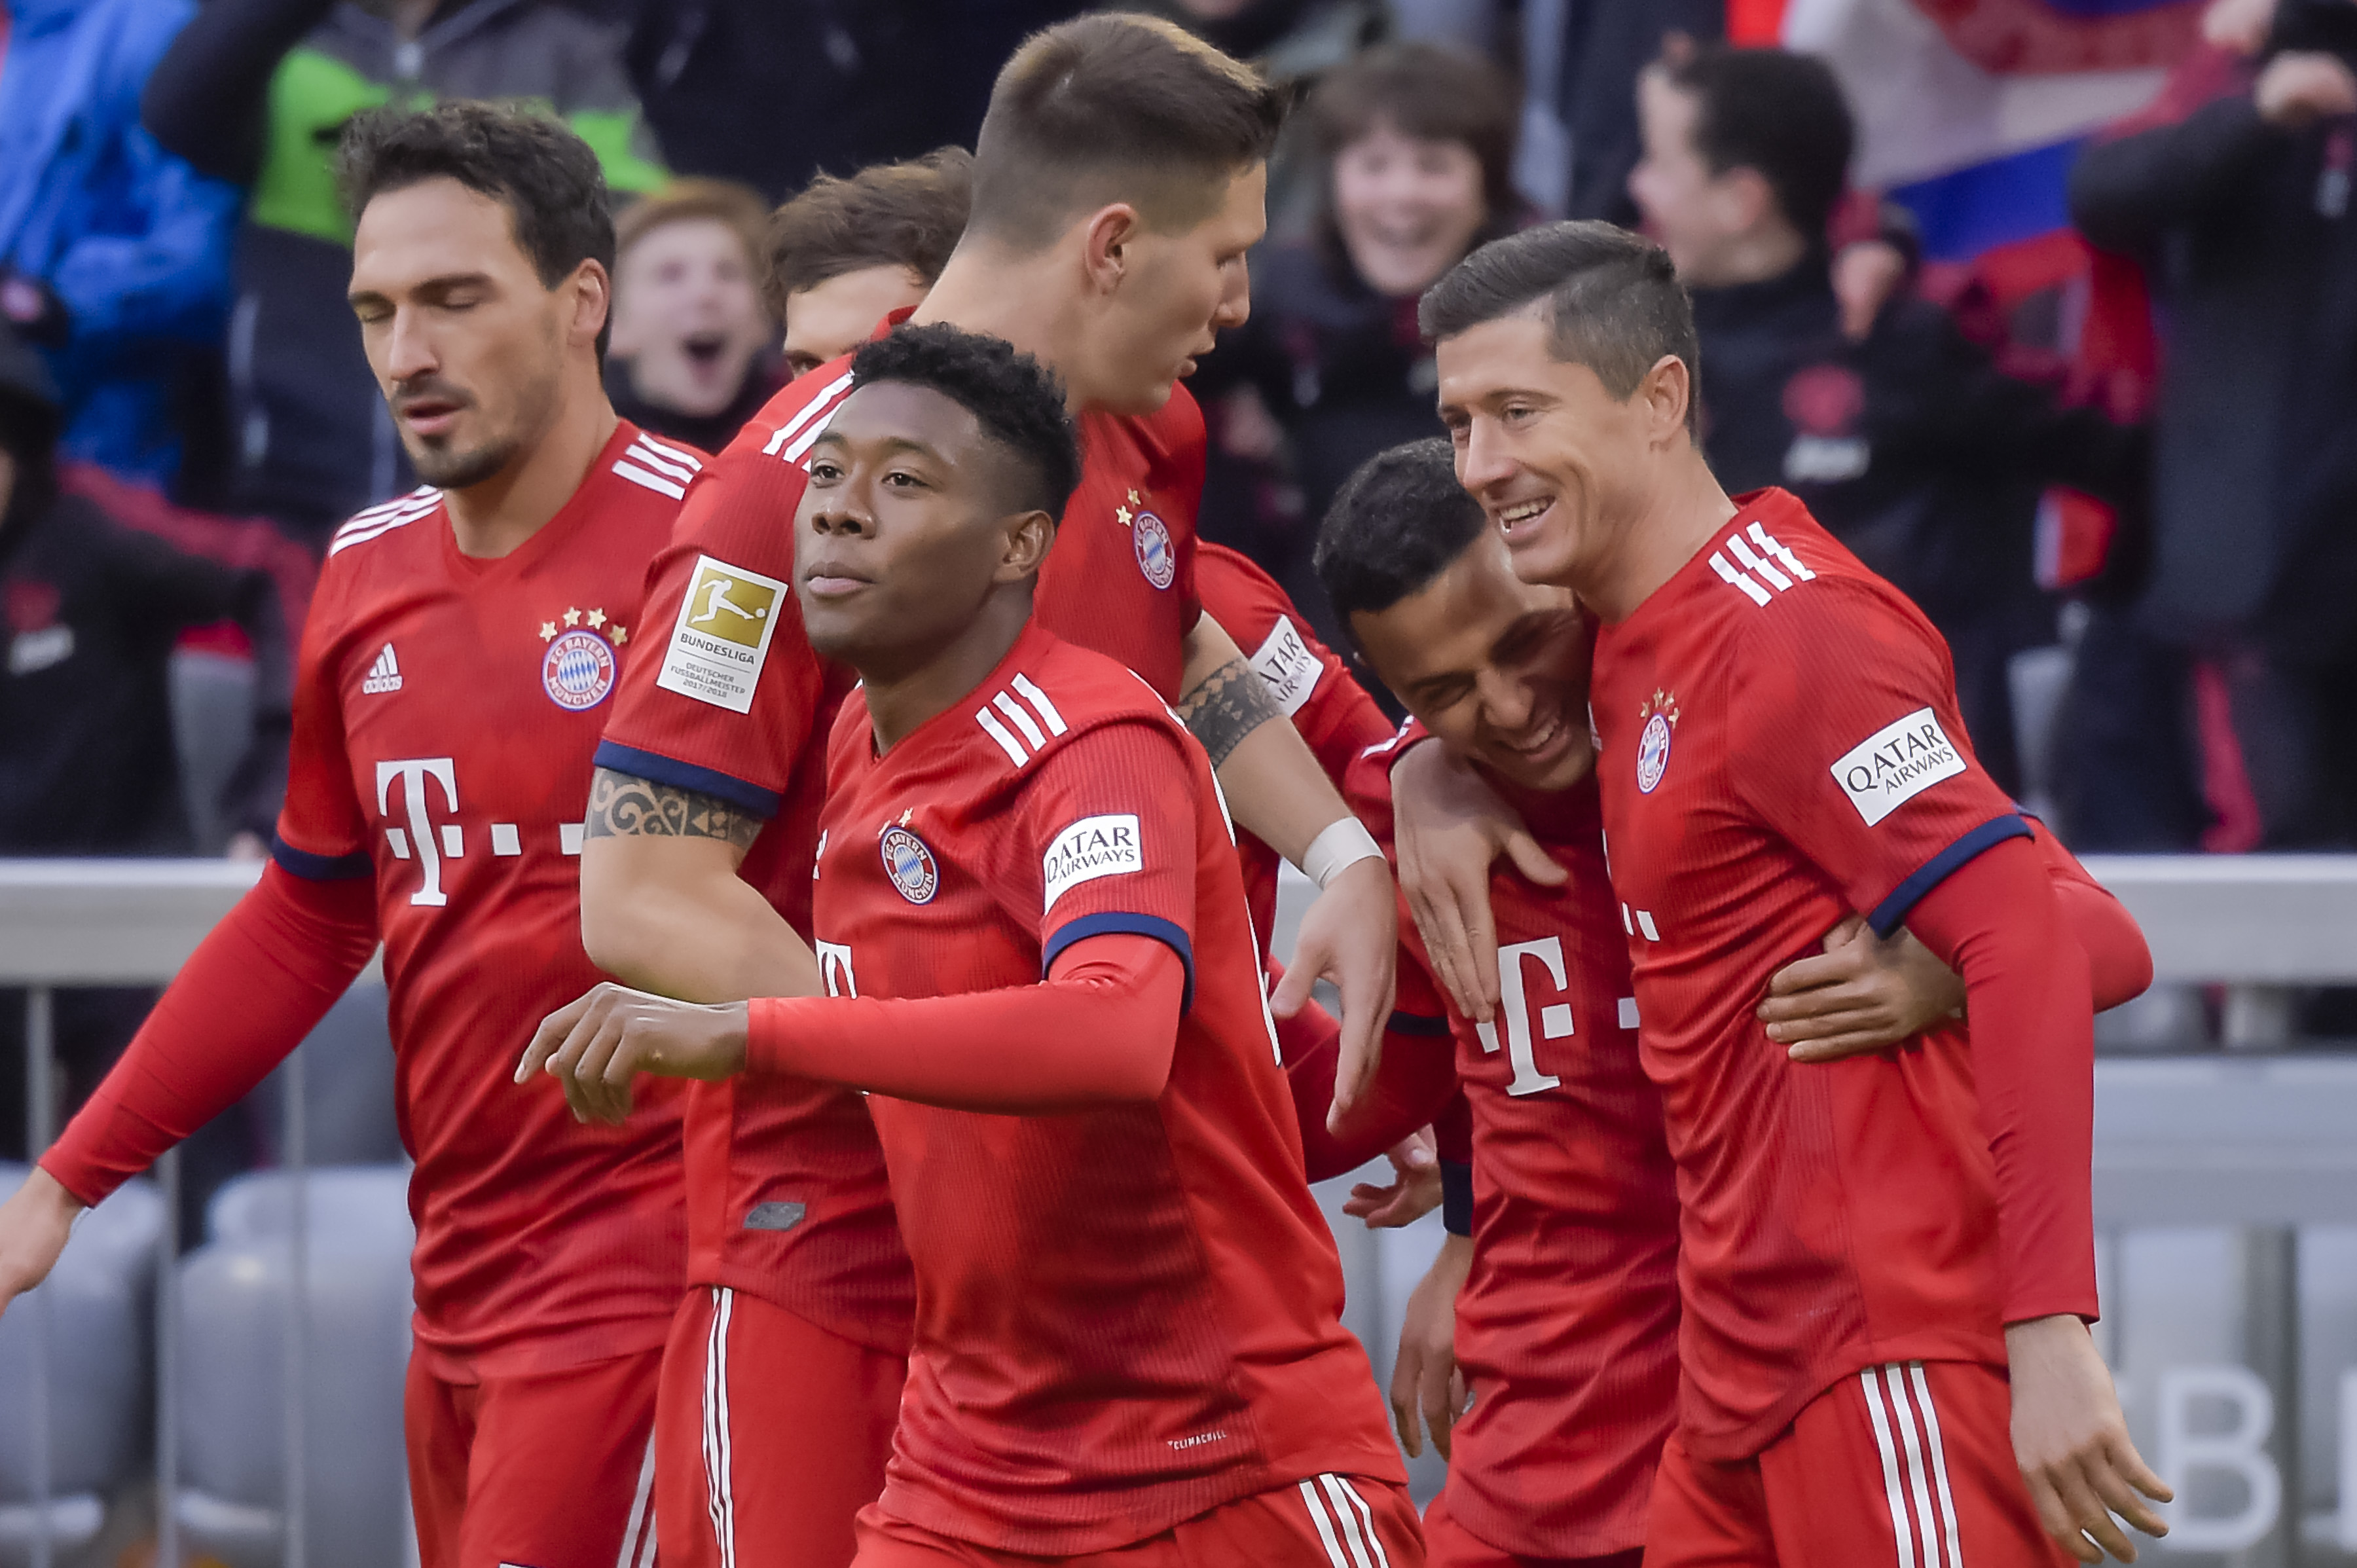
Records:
x=1018, y=400
x=536, y=166
x=1399, y=521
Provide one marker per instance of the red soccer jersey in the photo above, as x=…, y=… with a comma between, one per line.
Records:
x=1567, y=1329
x=1318, y=692
x=1125, y=1316
x=1781, y=746
x=445, y=713
x=786, y=1190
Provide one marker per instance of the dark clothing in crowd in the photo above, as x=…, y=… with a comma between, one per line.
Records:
x=840, y=83
x=95, y=598
x=1915, y=452
x=1346, y=373
x=706, y=433
x=2247, y=241
x=256, y=93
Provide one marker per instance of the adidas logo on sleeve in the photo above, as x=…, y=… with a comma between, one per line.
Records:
x=385, y=675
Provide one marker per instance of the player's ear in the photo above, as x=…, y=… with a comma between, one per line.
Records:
x=1665, y=394
x=1105, y=235
x=593, y=298
x=1029, y=535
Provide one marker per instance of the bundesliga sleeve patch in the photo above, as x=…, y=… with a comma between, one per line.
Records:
x=1091, y=848
x=1896, y=762
x=722, y=636
x=1285, y=663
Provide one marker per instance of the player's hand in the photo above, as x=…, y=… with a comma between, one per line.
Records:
x=1447, y=827
x=1864, y=994
x=2072, y=1443
x=1414, y=1193
x=596, y=1046
x=34, y=1225
x=1349, y=937
x=1425, y=1382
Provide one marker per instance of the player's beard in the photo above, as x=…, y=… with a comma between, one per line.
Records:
x=447, y=468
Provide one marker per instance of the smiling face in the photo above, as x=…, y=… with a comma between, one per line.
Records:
x=468, y=344
x=687, y=315
x=1176, y=292
x=1561, y=466
x=828, y=320
x=902, y=532
x=1494, y=667
x=1407, y=207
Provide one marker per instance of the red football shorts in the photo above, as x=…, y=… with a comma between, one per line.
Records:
x=1327, y=1521
x=1448, y=1544
x=1909, y=1464
x=555, y=1471
x=771, y=1435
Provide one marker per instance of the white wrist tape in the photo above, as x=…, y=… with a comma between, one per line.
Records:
x=1345, y=842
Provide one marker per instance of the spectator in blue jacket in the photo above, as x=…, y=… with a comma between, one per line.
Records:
x=125, y=244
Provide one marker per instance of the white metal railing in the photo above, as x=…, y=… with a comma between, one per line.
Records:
x=2217, y=1139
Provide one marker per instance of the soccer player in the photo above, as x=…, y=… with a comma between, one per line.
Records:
x=1118, y=183
x=1887, y=1261
x=462, y=644
x=847, y=252
x=1566, y=1252
x=1037, y=960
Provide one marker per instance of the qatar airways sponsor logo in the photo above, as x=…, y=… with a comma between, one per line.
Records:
x=1288, y=666
x=1896, y=762
x=1091, y=848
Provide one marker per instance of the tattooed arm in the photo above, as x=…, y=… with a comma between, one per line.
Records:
x=663, y=909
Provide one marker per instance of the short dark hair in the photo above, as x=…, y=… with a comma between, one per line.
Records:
x=1018, y=400
x=1781, y=114
x=1431, y=93
x=905, y=214
x=1613, y=298
x=1399, y=520
x=545, y=176
x=1117, y=107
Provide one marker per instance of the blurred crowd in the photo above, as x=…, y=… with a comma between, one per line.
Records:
x=2124, y=491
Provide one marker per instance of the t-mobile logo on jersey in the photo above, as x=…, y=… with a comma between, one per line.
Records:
x=835, y=968
x=430, y=843
x=1513, y=1004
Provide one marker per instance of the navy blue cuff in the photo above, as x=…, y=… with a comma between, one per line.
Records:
x=1455, y=1198
x=653, y=766
x=1167, y=932
x=1415, y=1024
x=1892, y=912
x=312, y=868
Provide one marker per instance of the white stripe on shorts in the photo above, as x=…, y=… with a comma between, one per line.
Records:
x=639, y=1534
x=1366, y=1517
x=718, y=1498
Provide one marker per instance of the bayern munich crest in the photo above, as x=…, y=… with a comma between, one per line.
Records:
x=1661, y=716
x=909, y=865
x=577, y=669
x=1150, y=537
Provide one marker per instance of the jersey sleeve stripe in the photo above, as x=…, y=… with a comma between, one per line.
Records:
x=1113, y=922
x=1030, y=692
x=1022, y=717
x=810, y=411
x=676, y=454
x=1893, y=911
x=312, y=868
x=655, y=768
x=658, y=461
x=652, y=481
x=998, y=732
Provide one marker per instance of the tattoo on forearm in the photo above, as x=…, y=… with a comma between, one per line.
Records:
x=622, y=805
x=1227, y=705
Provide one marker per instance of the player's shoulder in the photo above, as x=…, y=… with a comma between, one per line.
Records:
x=656, y=472
x=1782, y=579
x=1367, y=781
x=1051, y=696
x=1174, y=432
x=395, y=519
x=780, y=433
x=378, y=550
